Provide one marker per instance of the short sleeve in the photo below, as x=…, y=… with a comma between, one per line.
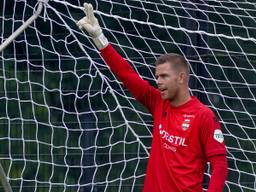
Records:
x=212, y=138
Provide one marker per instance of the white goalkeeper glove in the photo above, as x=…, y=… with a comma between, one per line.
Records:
x=91, y=25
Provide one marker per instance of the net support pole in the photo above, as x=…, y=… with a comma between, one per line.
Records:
x=6, y=185
x=23, y=26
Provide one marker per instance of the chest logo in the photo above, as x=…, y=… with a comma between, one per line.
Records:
x=172, y=139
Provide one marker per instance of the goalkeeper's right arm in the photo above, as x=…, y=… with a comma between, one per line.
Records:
x=140, y=89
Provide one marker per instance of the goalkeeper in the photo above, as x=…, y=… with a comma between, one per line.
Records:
x=186, y=134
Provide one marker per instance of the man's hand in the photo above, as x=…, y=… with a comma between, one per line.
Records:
x=89, y=22
x=91, y=25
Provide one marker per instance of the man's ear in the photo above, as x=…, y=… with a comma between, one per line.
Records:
x=182, y=78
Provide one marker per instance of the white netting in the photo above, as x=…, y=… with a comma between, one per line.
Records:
x=67, y=124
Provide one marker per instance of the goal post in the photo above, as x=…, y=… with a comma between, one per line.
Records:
x=68, y=124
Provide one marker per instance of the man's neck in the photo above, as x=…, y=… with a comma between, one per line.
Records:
x=181, y=99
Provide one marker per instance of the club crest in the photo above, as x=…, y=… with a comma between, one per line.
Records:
x=185, y=124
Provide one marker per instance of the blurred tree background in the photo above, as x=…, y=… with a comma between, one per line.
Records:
x=67, y=124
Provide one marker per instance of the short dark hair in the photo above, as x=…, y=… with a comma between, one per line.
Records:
x=177, y=61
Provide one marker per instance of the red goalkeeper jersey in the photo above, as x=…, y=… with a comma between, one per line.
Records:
x=184, y=137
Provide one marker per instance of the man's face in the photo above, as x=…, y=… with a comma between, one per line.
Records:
x=167, y=81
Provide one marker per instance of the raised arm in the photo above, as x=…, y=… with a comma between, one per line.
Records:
x=141, y=90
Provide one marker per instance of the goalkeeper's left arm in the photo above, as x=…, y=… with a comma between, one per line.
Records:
x=141, y=90
x=91, y=25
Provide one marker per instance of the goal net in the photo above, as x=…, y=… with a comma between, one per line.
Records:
x=67, y=123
